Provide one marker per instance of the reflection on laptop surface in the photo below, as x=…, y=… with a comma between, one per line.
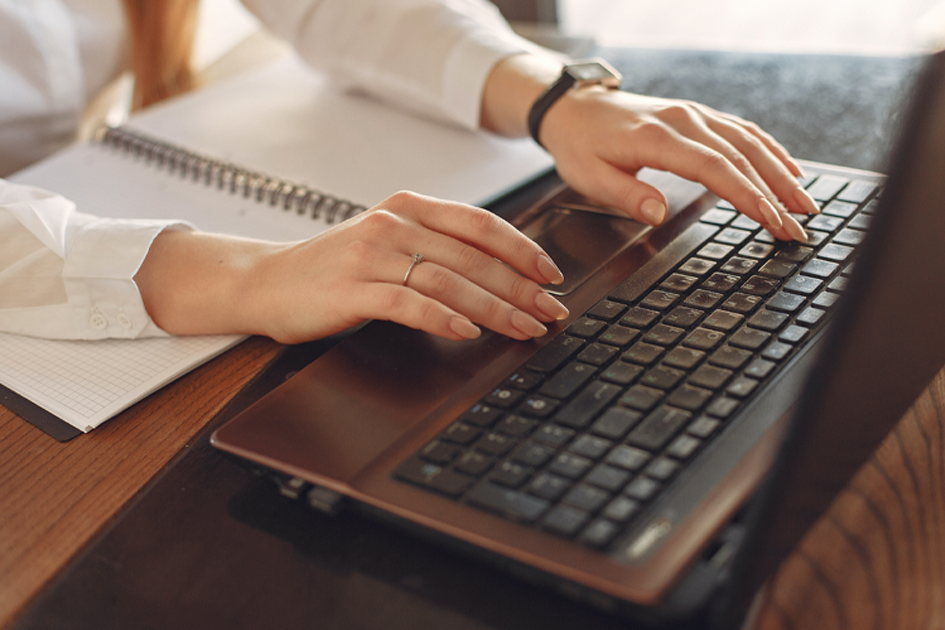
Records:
x=618, y=456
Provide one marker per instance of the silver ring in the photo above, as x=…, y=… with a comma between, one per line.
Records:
x=417, y=259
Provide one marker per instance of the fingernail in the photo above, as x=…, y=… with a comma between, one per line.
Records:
x=794, y=229
x=653, y=211
x=800, y=169
x=527, y=325
x=549, y=270
x=769, y=214
x=464, y=328
x=803, y=198
x=550, y=306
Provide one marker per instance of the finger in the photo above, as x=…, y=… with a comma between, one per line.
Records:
x=395, y=303
x=613, y=187
x=768, y=140
x=771, y=168
x=482, y=230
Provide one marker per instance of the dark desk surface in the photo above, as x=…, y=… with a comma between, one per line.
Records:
x=142, y=524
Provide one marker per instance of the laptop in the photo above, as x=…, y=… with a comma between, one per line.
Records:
x=661, y=451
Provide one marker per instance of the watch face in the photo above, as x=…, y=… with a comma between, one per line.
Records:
x=594, y=72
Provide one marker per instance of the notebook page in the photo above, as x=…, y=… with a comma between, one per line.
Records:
x=88, y=382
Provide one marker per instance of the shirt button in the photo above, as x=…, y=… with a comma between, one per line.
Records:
x=97, y=321
x=124, y=321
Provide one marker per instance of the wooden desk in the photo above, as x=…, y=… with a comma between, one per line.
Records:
x=54, y=497
x=875, y=560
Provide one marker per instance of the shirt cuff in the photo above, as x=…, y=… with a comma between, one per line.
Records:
x=103, y=258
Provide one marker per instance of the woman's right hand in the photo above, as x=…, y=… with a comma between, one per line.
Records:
x=477, y=270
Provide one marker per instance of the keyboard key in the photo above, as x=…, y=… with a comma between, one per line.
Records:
x=683, y=358
x=857, y=191
x=785, y=302
x=607, y=310
x=777, y=351
x=642, y=353
x=510, y=503
x=810, y=316
x=599, y=533
x=434, y=477
x=460, y=433
x=793, y=334
x=718, y=216
x=533, y=454
x=638, y=317
x=615, y=423
x=703, y=427
x=621, y=373
x=759, y=368
x=703, y=338
x=570, y=465
x=850, y=237
x=548, y=486
x=820, y=268
x=662, y=468
x=568, y=380
x=756, y=250
x=683, y=316
x=590, y=446
x=627, y=457
x=661, y=377
x=732, y=236
x=700, y=298
x=697, y=266
x=794, y=252
x=608, y=477
x=554, y=353
x=504, y=397
x=482, y=415
x=510, y=474
x=642, y=488
x=621, y=509
x=619, y=336
x=749, y=338
x=689, y=397
x=553, y=435
x=587, y=405
x=473, y=463
x=538, y=406
x=586, y=497
x=721, y=282
x=565, y=520
x=824, y=223
x=741, y=302
x=679, y=283
x=586, y=327
x=803, y=285
x=741, y=387
x=739, y=265
x=495, y=444
x=641, y=398
x=722, y=407
x=710, y=377
x=683, y=447
x=659, y=300
x=744, y=223
x=439, y=452
x=777, y=268
x=656, y=430
x=840, y=209
x=759, y=285
x=723, y=320
x=826, y=187
x=715, y=251
x=729, y=357
x=524, y=379
x=767, y=320
x=597, y=354
x=663, y=335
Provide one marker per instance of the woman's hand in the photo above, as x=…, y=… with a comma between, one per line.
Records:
x=477, y=270
x=601, y=138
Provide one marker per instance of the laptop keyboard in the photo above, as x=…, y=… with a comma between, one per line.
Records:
x=589, y=431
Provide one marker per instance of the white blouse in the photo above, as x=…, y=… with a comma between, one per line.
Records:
x=67, y=274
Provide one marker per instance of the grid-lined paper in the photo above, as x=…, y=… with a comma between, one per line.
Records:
x=87, y=382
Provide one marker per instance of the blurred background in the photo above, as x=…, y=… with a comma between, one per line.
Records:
x=862, y=27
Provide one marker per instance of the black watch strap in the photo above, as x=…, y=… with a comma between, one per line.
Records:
x=578, y=74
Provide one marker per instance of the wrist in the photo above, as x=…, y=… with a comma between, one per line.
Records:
x=590, y=74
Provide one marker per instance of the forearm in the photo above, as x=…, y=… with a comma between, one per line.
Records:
x=514, y=84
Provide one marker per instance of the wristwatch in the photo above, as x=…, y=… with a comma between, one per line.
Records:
x=573, y=76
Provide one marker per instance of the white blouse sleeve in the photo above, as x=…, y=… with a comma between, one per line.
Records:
x=431, y=56
x=69, y=275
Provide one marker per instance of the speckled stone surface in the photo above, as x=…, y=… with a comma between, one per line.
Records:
x=828, y=108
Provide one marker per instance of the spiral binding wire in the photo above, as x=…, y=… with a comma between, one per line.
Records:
x=225, y=176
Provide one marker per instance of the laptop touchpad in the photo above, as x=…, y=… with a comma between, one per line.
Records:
x=580, y=241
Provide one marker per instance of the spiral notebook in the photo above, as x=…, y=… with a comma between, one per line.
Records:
x=211, y=157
